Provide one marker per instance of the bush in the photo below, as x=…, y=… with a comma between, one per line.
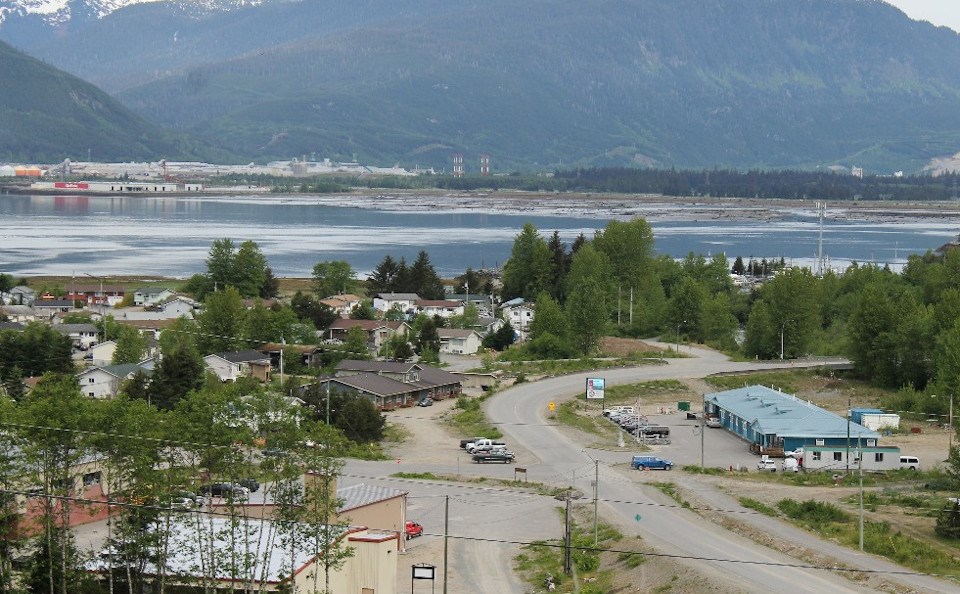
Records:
x=813, y=513
x=948, y=522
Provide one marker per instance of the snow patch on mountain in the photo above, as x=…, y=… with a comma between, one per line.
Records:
x=58, y=12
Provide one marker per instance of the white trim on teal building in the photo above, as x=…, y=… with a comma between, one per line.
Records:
x=773, y=419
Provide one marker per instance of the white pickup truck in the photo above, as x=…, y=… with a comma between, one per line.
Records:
x=483, y=445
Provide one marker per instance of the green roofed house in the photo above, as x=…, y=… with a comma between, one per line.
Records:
x=771, y=420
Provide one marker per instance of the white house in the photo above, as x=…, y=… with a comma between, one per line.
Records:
x=459, y=342
x=82, y=335
x=386, y=301
x=21, y=295
x=105, y=382
x=519, y=315
x=229, y=367
x=343, y=304
x=102, y=353
x=485, y=325
x=441, y=307
x=151, y=295
x=19, y=313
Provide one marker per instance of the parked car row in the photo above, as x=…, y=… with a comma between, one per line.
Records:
x=635, y=424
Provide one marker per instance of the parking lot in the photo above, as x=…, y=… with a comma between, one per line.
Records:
x=721, y=449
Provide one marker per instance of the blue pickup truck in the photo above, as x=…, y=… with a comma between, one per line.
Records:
x=651, y=463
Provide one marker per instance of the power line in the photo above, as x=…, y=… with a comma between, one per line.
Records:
x=517, y=542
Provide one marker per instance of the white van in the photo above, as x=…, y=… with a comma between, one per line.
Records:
x=910, y=462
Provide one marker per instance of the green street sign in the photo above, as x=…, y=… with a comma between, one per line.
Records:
x=637, y=517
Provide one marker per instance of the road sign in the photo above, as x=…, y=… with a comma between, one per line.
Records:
x=552, y=406
x=595, y=388
x=637, y=517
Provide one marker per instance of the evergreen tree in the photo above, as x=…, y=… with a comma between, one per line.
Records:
x=738, y=267
x=424, y=280
x=530, y=267
x=271, y=285
x=384, y=276
x=428, y=339
x=178, y=373
x=561, y=265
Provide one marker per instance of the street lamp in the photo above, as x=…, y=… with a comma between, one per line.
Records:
x=781, y=340
x=101, y=299
x=596, y=490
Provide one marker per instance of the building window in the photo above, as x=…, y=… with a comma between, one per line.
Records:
x=816, y=455
x=878, y=457
x=91, y=478
x=838, y=456
x=871, y=443
x=819, y=442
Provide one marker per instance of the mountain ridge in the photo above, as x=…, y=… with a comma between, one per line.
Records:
x=689, y=83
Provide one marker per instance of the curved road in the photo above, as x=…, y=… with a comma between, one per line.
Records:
x=740, y=563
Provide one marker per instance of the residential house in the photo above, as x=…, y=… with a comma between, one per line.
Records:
x=378, y=331
x=21, y=295
x=88, y=480
x=772, y=421
x=487, y=325
x=19, y=313
x=519, y=314
x=211, y=552
x=47, y=308
x=151, y=295
x=82, y=335
x=310, y=355
x=229, y=367
x=102, y=352
x=12, y=326
x=483, y=303
x=105, y=381
x=177, y=306
x=437, y=383
x=98, y=295
x=385, y=393
x=343, y=304
x=406, y=302
x=459, y=342
x=442, y=308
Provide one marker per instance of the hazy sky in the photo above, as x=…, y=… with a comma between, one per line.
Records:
x=938, y=12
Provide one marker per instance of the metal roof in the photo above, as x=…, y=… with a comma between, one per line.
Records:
x=771, y=412
x=360, y=495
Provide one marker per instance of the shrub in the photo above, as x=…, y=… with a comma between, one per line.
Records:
x=948, y=522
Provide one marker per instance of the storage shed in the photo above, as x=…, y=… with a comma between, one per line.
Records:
x=773, y=419
x=874, y=418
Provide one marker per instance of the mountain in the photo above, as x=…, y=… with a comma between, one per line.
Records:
x=49, y=115
x=541, y=83
x=26, y=23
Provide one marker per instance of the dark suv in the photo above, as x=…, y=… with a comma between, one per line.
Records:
x=226, y=490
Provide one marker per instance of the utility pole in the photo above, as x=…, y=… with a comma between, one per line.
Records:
x=860, y=449
x=596, y=491
x=329, y=379
x=848, y=432
x=446, y=537
x=567, y=567
x=703, y=427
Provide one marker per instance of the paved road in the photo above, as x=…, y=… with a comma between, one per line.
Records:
x=740, y=563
